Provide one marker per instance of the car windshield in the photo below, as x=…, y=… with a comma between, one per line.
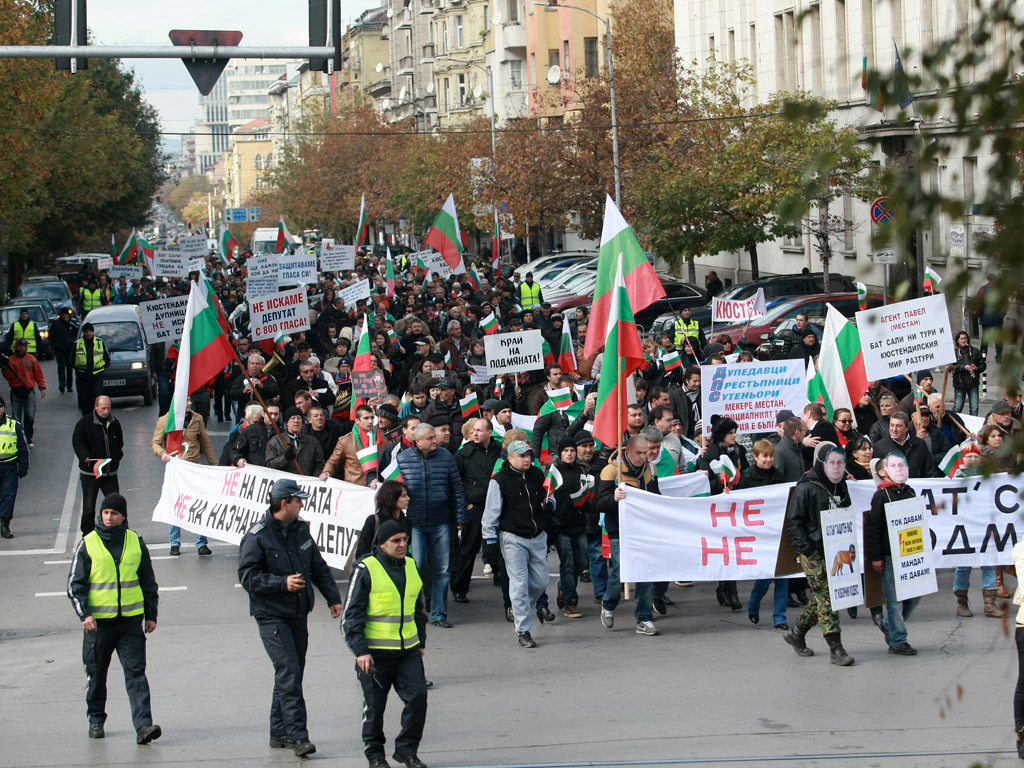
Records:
x=120, y=337
x=55, y=291
x=35, y=314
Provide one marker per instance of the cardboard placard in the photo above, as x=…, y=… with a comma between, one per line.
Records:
x=170, y=264
x=369, y=384
x=284, y=312
x=262, y=276
x=163, y=319
x=296, y=270
x=906, y=337
x=125, y=270
x=910, y=544
x=353, y=293
x=336, y=258
x=514, y=352
x=752, y=394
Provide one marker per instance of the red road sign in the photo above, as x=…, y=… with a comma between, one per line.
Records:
x=205, y=72
x=882, y=211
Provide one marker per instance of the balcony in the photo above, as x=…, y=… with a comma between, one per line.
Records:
x=380, y=88
x=428, y=52
x=512, y=35
x=406, y=65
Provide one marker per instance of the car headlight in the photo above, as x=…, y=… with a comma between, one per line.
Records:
x=137, y=366
x=45, y=334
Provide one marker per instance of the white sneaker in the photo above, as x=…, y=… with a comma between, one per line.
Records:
x=646, y=628
x=488, y=571
x=607, y=618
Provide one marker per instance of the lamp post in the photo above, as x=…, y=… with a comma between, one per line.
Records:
x=611, y=90
x=490, y=92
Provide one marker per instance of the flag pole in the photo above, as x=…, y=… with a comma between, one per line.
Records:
x=273, y=423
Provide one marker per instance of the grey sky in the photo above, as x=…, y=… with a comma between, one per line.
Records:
x=168, y=86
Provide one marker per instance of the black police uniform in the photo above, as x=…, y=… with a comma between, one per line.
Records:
x=268, y=554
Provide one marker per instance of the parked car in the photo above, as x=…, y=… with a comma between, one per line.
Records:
x=56, y=290
x=46, y=304
x=120, y=327
x=546, y=261
x=677, y=295
x=37, y=314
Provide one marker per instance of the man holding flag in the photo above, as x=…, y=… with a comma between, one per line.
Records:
x=98, y=442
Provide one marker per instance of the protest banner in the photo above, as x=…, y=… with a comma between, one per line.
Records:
x=284, y=312
x=737, y=311
x=337, y=258
x=752, y=394
x=844, y=556
x=104, y=262
x=514, y=352
x=170, y=264
x=905, y=337
x=299, y=269
x=478, y=374
x=163, y=319
x=225, y=502
x=125, y=270
x=262, y=276
x=315, y=299
x=193, y=246
x=907, y=529
x=350, y=294
x=369, y=384
x=197, y=264
x=685, y=486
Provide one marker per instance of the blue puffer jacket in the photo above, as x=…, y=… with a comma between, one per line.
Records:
x=435, y=487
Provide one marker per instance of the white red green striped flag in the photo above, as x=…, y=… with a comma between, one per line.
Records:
x=473, y=278
x=671, y=360
x=862, y=296
x=566, y=352
x=390, y=276
x=361, y=226
x=489, y=324
x=284, y=237
x=726, y=471
x=366, y=448
x=362, y=362
x=130, y=250
x=469, y=405
x=227, y=244
x=393, y=472
x=952, y=461
x=665, y=466
x=843, y=379
x=691, y=452
x=113, y=246
x=99, y=466
x=447, y=358
x=620, y=250
x=553, y=480
x=445, y=237
x=579, y=497
x=496, y=246
x=931, y=280
x=560, y=398
x=205, y=351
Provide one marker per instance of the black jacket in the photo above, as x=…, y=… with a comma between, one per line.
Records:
x=453, y=413
x=813, y=493
x=96, y=438
x=307, y=454
x=919, y=459
x=353, y=623
x=524, y=511
x=476, y=465
x=62, y=335
x=81, y=570
x=643, y=478
x=268, y=554
x=268, y=390
x=568, y=518
x=755, y=477
x=962, y=378
x=736, y=453
x=876, y=536
x=368, y=535
x=328, y=437
x=789, y=459
x=555, y=425
x=251, y=444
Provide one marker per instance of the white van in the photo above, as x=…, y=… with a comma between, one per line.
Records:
x=264, y=240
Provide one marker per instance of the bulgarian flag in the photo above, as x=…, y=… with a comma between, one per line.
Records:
x=393, y=472
x=362, y=362
x=496, y=246
x=473, y=278
x=560, y=398
x=113, y=247
x=862, y=296
x=390, y=276
x=622, y=355
x=566, y=354
x=284, y=237
x=931, y=280
x=205, y=351
x=448, y=358
x=130, y=250
x=470, y=405
x=671, y=361
x=227, y=244
x=366, y=448
x=549, y=356
x=691, y=452
x=361, y=227
x=841, y=379
x=143, y=247
x=553, y=480
x=726, y=471
x=445, y=236
x=101, y=464
x=579, y=498
x=620, y=250
x=665, y=466
x=489, y=324
x=952, y=461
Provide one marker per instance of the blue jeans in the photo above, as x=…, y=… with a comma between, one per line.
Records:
x=781, y=599
x=971, y=396
x=23, y=409
x=898, y=611
x=174, y=535
x=526, y=563
x=962, y=577
x=598, y=565
x=433, y=544
x=572, y=560
x=644, y=610
x=8, y=488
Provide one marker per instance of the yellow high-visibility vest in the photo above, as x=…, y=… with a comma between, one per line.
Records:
x=114, y=587
x=391, y=617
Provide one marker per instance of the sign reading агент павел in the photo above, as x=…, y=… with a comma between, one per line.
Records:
x=514, y=352
x=284, y=312
x=905, y=337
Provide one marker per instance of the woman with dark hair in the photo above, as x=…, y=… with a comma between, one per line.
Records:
x=858, y=462
x=966, y=373
x=842, y=420
x=391, y=502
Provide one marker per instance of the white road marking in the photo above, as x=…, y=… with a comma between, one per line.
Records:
x=57, y=562
x=61, y=544
x=51, y=594
x=173, y=589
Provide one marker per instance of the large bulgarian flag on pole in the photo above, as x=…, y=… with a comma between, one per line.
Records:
x=205, y=351
x=619, y=250
x=227, y=244
x=622, y=355
x=566, y=354
x=130, y=250
x=841, y=379
x=496, y=245
x=362, y=362
x=445, y=237
x=284, y=237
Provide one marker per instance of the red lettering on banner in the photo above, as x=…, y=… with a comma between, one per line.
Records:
x=230, y=484
x=715, y=514
x=705, y=550
x=742, y=550
x=750, y=508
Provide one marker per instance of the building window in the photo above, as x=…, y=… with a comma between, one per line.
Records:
x=565, y=60
x=842, y=52
x=447, y=94
x=817, y=81
x=258, y=163
x=515, y=74
x=444, y=37
x=590, y=65
x=513, y=11
x=712, y=53
x=269, y=162
x=259, y=182
x=461, y=79
x=460, y=41
x=553, y=57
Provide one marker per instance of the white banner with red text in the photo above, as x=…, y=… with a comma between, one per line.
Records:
x=225, y=502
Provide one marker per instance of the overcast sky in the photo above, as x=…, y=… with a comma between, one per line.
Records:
x=167, y=84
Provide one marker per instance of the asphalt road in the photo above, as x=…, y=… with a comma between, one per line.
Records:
x=712, y=689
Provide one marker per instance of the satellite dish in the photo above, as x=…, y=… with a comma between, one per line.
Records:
x=430, y=87
x=477, y=92
x=401, y=94
x=379, y=68
x=385, y=105
x=496, y=18
x=390, y=13
x=554, y=74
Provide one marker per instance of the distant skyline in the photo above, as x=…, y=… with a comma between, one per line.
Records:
x=166, y=83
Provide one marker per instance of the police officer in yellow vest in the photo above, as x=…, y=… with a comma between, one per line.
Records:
x=529, y=293
x=91, y=359
x=385, y=625
x=689, y=336
x=92, y=297
x=13, y=466
x=24, y=328
x=114, y=592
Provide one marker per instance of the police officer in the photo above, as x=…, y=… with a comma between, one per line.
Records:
x=92, y=297
x=91, y=359
x=13, y=465
x=385, y=625
x=24, y=328
x=689, y=336
x=277, y=560
x=112, y=587
x=529, y=293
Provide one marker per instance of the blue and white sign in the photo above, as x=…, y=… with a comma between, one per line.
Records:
x=262, y=276
x=236, y=215
x=752, y=394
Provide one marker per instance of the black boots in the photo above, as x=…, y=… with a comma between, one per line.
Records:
x=5, y=530
x=838, y=654
x=796, y=638
x=727, y=595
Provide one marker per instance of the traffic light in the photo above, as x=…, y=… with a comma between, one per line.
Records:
x=70, y=28
x=188, y=224
x=207, y=225
x=325, y=29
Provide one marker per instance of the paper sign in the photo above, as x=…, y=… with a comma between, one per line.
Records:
x=193, y=246
x=262, y=276
x=284, y=312
x=315, y=299
x=336, y=258
x=369, y=384
x=479, y=374
x=910, y=544
x=353, y=293
x=752, y=394
x=170, y=264
x=737, y=310
x=514, y=352
x=163, y=319
x=197, y=264
x=296, y=270
x=125, y=270
x=843, y=559
x=104, y=263
x=906, y=337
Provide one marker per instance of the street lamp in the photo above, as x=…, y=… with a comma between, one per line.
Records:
x=611, y=90
x=490, y=91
